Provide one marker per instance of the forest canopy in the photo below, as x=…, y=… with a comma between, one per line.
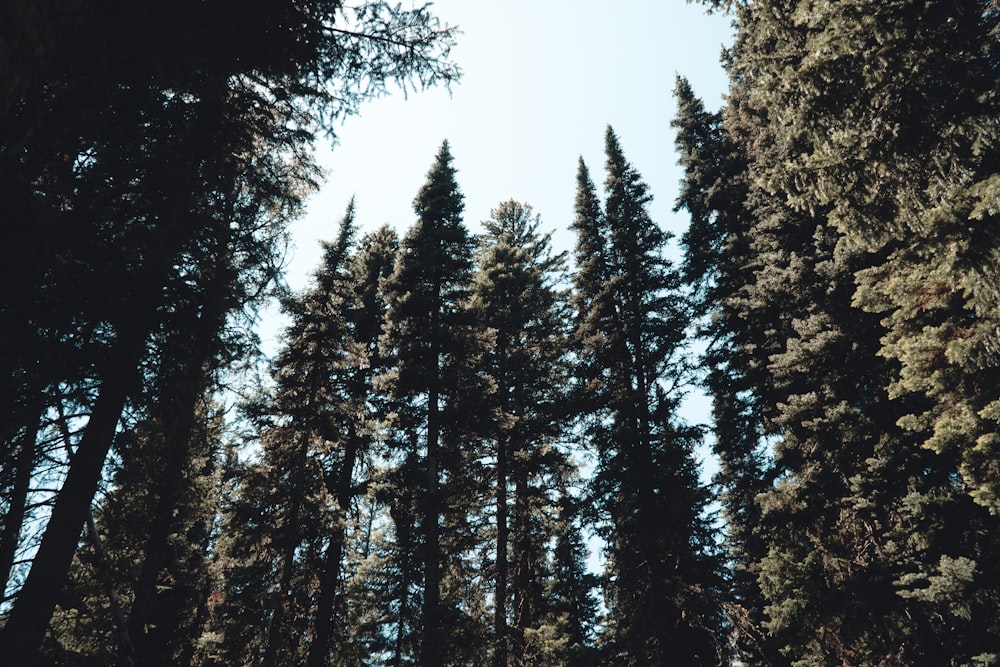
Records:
x=469, y=447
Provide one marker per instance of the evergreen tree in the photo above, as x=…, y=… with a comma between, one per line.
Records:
x=864, y=554
x=524, y=355
x=572, y=610
x=95, y=622
x=292, y=523
x=282, y=511
x=663, y=576
x=907, y=168
x=429, y=335
x=348, y=469
x=131, y=160
x=718, y=264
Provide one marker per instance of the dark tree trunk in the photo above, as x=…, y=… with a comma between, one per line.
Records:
x=22, y=635
x=430, y=651
x=500, y=603
x=323, y=627
x=126, y=651
x=276, y=629
x=23, y=464
x=177, y=404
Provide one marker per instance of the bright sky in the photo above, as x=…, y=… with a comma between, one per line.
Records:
x=541, y=81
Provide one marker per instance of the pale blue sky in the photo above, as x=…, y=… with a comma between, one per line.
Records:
x=541, y=80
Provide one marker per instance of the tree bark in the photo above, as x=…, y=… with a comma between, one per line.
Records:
x=500, y=656
x=126, y=651
x=430, y=650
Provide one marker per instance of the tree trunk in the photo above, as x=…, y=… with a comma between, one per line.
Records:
x=22, y=635
x=500, y=602
x=153, y=646
x=524, y=560
x=126, y=651
x=431, y=646
x=24, y=461
x=177, y=404
x=323, y=627
x=275, y=630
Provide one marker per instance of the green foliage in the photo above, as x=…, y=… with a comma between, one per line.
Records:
x=297, y=509
x=846, y=301
x=430, y=337
x=523, y=358
x=662, y=575
x=150, y=159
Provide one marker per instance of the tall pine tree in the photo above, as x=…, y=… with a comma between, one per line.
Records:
x=865, y=541
x=429, y=335
x=662, y=578
x=523, y=317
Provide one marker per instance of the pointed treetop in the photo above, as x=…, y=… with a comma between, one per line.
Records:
x=587, y=205
x=441, y=195
x=621, y=173
x=335, y=253
x=345, y=234
x=612, y=146
x=590, y=245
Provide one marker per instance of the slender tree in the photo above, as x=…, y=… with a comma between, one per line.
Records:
x=662, y=578
x=289, y=544
x=524, y=354
x=428, y=335
x=719, y=264
x=347, y=468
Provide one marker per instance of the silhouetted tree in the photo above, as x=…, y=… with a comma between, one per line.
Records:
x=663, y=575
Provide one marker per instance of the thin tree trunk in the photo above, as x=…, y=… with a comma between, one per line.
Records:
x=276, y=628
x=29, y=618
x=323, y=626
x=23, y=467
x=404, y=546
x=500, y=656
x=523, y=604
x=500, y=602
x=126, y=651
x=431, y=645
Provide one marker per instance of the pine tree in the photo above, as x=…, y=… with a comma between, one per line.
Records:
x=131, y=161
x=348, y=472
x=662, y=577
x=568, y=629
x=292, y=524
x=428, y=335
x=908, y=169
x=718, y=264
x=860, y=525
x=524, y=355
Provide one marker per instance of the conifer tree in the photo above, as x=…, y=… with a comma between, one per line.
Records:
x=572, y=608
x=280, y=516
x=318, y=434
x=907, y=168
x=429, y=336
x=662, y=577
x=524, y=355
x=860, y=525
x=130, y=160
x=348, y=468
x=718, y=264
